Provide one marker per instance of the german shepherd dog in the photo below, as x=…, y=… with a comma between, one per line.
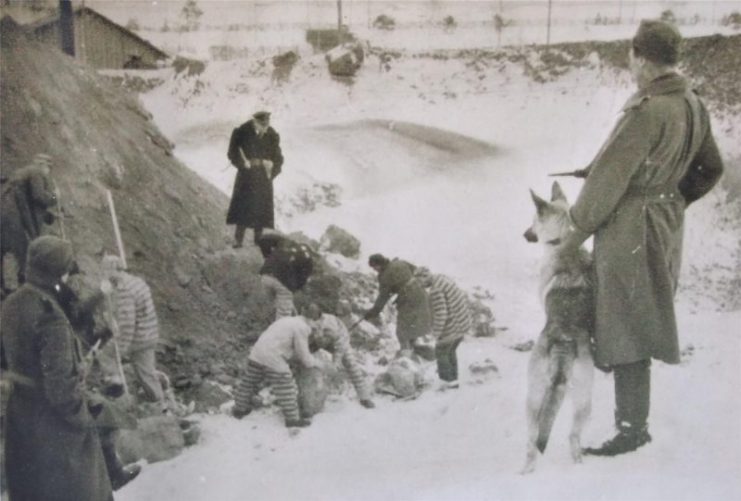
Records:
x=561, y=357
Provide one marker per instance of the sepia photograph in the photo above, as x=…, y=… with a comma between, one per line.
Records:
x=370, y=250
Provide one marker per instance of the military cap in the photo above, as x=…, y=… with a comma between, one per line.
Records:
x=261, y=116
x=658, y=42
x=50, y=256
x=377, y=260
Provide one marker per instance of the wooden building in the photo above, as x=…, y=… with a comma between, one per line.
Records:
x=99, y=42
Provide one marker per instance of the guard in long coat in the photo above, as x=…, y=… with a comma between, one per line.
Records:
x=53, y=452
x=660, y=157
x=254, y=149
x=397, y=277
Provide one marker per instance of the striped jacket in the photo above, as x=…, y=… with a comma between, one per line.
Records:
x=338, y=343
x=135, y=315
x=451, y=315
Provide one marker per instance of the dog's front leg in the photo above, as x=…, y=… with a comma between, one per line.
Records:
x=535, y=394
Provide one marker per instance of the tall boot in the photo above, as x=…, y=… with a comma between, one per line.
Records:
x=239, y=236
x=118, y=474
x=632, y=403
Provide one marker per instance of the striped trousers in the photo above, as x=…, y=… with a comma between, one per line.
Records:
x=282, y=296
x=282, y=386
x=356, y=376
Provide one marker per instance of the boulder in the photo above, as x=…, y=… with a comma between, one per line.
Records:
x=210, y=396
x=314, y=384
x=337, y=240
x=404, y=379
x=156, y=438
x=345, y=60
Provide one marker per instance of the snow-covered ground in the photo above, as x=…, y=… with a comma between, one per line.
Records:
x=462, y=215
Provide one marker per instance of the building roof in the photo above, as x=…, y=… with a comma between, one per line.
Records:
x=47, y=22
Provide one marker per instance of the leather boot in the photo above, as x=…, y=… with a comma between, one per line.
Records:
x=627, y=439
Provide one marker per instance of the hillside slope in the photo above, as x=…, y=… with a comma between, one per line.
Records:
x=101, y=138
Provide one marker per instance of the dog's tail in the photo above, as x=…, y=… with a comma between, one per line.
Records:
x=561, y=359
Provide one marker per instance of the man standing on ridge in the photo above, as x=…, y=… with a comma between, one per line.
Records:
x=660, y=158
x=254, y=149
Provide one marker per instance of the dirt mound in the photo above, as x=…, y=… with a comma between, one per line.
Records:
x=171, y=220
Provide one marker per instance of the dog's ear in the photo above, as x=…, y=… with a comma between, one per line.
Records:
x=557, y=193
x=541, y=205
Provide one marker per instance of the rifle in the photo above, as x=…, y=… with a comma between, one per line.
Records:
x=580, y=173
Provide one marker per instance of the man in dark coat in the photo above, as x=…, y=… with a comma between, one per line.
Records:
x=397, y=277
x=254, y=149
x=53, y=452
x=660, y=157
x=287, y=267
x=27, y=198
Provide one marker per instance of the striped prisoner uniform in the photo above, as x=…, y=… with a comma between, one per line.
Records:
x=137, y=334
x=336, y=340
x=451, y=320
x=451, y=314
x=282, y=296
x=285, y=339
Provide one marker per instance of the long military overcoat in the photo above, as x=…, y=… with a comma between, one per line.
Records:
x=414, y=318
x=53, y=452
x=660, y=157
x=252, y=197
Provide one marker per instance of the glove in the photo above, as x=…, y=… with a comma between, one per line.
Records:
x=368, y=404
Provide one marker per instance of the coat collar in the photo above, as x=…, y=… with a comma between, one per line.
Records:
x=42, y=280
x=669, y=83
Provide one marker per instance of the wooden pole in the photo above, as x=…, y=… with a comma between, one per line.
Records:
x=339, y=19
x=116, y=231
x=548, y=32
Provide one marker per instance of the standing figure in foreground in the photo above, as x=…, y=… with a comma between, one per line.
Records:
x=254, y=149
x=52, y=448
x=660, y=158
x=138, y=332
x=451, y=320
x=397, y=277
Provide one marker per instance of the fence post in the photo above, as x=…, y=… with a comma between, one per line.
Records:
x=548, y=32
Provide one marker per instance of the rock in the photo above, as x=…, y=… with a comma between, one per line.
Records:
x=183, y=278
x=314, y=385
x=337, y=240
x=402, y=379
x=209, y=396
x=364, y=336
x=345, y=60
x=526, y=346
x=182, y=382
x=487, y=367
x=283, y=65
x=156, y=438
